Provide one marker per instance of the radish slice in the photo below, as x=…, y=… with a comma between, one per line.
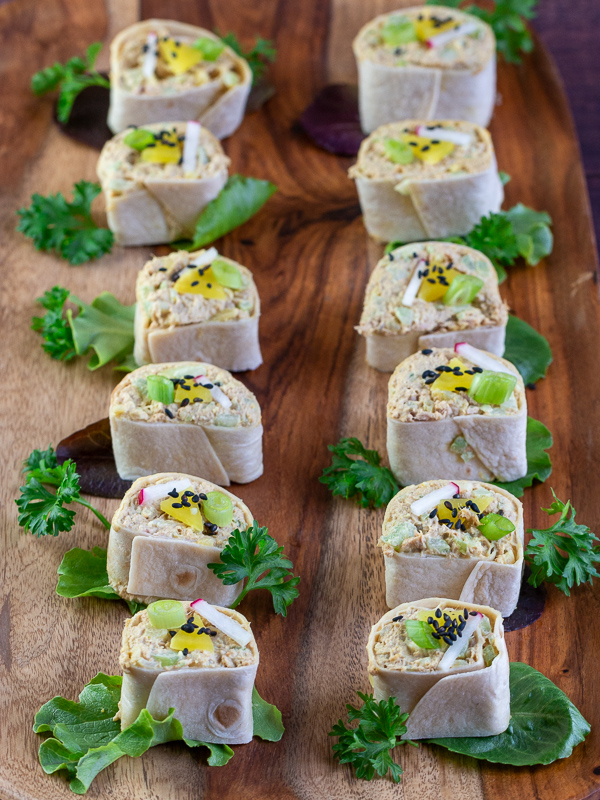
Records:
x=150, y=56
x=447, y=36
x=480, y=358
x=444, y=135
x=414, y=284
x=456, y=647
x=224, y=623
x=217, y=393
x=190, y=146
x=159, y=490
x=430, y=501
x=205, y=258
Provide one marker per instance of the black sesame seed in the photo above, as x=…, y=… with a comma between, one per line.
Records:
x=162, y=269
x=473, y=613
x=197, y=400
x=177, y=505
x=185, y=402
x=213, y=633
x=426, y=352
x=433, y=513
x=195, y=498
x=430, y=280
x=474, y=508
x=435, y=635
x=172, y=633
x=438, y=613
x=185, y=651
x=448, y=504
x=195, y=283
x=398, y=618
x=169, y=413
x=202, y=496
x=174, y=493
x=477, y=369
x=460, y=389
x=424, y=149
x=530, y=385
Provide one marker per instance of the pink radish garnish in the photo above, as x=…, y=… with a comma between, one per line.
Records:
x=444, y=135
x=160, y=490
x=190, y=146
x=223, y=622
x=414, y=284
x=216, y=392
x=462, y=639
x=447, y=36
x=480, y=358
x=150, y=58
x=429, y=501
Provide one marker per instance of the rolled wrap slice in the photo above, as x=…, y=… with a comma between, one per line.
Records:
x=443, y=551
x=394, y=328
x=155, y=202
x=469, y=698
x=218, y=435
x=210, y=689
x=154, y=555
x=176, y=319
x=432, y=193
x=213, y=89
x=436, y=433
x=400, y=76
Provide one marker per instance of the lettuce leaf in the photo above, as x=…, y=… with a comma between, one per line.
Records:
x=86, y=739
x=105, y=327
x=82, y=573
x=528, y=350
x=544, y=725
x=240, y=199
x=539, y=466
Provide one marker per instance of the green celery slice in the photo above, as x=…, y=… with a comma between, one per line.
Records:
x=495, y=526
x=166, y=614
x=463, y=290
x=491, y=387
x=420, y=633
x=160, y=389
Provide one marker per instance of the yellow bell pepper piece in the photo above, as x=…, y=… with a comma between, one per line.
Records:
x=426, y=28
x=179, y=57
x=161, y=154
x=444, y=514
x=200, y=280
x=449, y=381
x=193, y=641
x=425, y=149
x=435, y=285
x=181, y=393
x=190, y=516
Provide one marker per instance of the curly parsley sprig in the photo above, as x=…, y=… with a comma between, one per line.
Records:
x=70, y=79
x=67, y=228
x=368, y=747
x=254, y=556
x=258, y=57
x=357, y=472
x=507, y=20
x=41, y=511
x=564, y=554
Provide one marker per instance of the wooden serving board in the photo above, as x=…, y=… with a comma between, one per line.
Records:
x=311, y=258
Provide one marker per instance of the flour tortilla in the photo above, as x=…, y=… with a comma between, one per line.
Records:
x=213, y=704
x=386, y=352
x=221, y=112
x=474, y=701
x=428, y=208
x=412, y=576
x=232, y=344
x=146, y=567
x=389, y=94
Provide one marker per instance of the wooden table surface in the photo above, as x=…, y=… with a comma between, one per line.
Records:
x=311, y=259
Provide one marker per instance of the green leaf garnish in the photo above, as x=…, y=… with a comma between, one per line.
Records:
x=258, y=57
x=86, y=739
x=67, y=228
x=368, y=746
x=240, y=199
x=254, y=556
x=83, y=573
x=565, y=553
x=104, y=327
x=357, y=472
x=41, y=511
x=70, y=78
x=527, y=349
x=544, y=725
x=539, y=466
x=507, y=19
x=504, y=177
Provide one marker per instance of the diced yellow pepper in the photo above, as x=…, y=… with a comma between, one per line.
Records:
x=161, y=154
x=449, y=381
x=444, y=514
x=441, y=281
x=192, y=393
x=190, y=516
x=426, y=28
x=200, y=280
x=193, y=641
x=425, y=149
x=179, y=57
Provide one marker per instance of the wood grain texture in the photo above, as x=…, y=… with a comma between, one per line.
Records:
x=311, y=259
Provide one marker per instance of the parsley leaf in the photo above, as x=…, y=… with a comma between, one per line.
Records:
x=255, y=556
x=507, y=19
x=70, y=78
x=367, y=747
x=105, y=327
x=42, y=512
x=362, y=477
x=565, y=553
x=54, y=224
x=258, y=57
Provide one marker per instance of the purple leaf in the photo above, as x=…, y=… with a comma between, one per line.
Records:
x=332, y=120
x=91, y=450
x=87, y=123
x=530, y=606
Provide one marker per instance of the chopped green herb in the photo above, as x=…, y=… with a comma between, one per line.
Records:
x=258, y=57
